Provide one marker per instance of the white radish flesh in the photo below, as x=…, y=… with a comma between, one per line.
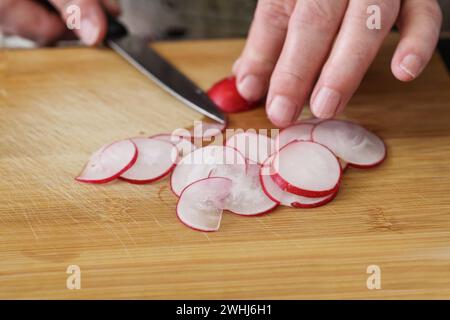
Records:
x=246, y=196
x=109, y=162
x=274, y=192
x=300, y=132
x=201, y=130
x=255, y=147
x=156, y=159
x=199, y=164
x=307, y=169
x=201, y=203
x=183, y=145
x=351, y=142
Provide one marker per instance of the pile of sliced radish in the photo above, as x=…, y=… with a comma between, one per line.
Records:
x=250, y=175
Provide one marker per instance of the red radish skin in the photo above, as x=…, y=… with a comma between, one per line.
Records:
x=351, y=143
x=199, y=164
x=109, y=153
x=302, y=161
x=156, y=159
x=200, y=205
x=226, y=96
x=274, y=192
x=255, y=147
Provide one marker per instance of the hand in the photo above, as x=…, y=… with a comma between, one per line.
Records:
x=323, y=48
x=31, y=20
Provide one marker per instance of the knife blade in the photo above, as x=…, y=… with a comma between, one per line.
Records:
x=138, y=52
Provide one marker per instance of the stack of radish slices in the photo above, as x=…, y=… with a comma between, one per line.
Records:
x=250, y=175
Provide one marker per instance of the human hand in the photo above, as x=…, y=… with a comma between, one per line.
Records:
x=32, y=20
x=322, y=49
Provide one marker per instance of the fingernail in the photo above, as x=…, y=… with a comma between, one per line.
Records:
x=251, y=88
x=412, y=65
x=281, y=111
x=326, y=103
x=89, y=32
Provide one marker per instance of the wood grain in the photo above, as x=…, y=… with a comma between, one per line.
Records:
x=58, y=105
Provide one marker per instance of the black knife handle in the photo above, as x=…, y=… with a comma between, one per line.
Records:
x=115, y=28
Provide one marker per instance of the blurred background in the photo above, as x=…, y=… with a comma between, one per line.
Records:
x=193, y=19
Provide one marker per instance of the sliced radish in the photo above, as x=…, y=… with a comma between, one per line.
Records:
x=109, y=162
x=201, y=129
x=199, y=164
x=183, y=145
x=201, y=203
x=274, y=192
x=300, y=132
x=255, y=147
x=307, y=169
x=351, y=142
x=226, y=96
x=246, y=196
x=156, y=159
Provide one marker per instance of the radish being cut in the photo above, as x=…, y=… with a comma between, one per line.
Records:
x=307, y=169
x=201, y=203
x=202, y=130
x=300, y=132
x=156, y=159
x=255, y=147
x=226, y=96
x=311, y=121
x=199, y=164
x=183, y=145
x=274, y=192
x=109, y=162
x=351, y=142
x=246, y=195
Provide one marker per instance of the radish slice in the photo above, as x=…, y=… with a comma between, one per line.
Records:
x=255, y=147
x=246, y=196
x=201, y=204
x=202, y=129
x=199, y=164
x=155, y=160
x=109, y=162
x=300, y=132
x=226, y=96
x=183, y=145
x=351, y=142
x=288, y=199
x=306, y=169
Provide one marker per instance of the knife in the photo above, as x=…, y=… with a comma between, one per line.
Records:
x=138, y=52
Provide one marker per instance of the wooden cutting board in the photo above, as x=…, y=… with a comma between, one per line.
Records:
x=59, y=105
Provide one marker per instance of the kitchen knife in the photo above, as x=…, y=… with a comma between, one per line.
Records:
x=137, y=52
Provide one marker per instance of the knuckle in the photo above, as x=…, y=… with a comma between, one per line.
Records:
x=431, y=10
x=316, y=12
x=275, y=13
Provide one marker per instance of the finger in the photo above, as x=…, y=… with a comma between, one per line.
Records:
x=45, y=27
x=263, y=47
x=312, y=29
x=93, y=21
x=420, y=22
x=354, y=50
x=112, y=6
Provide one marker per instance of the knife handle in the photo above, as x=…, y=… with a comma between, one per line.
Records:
x=115, y=28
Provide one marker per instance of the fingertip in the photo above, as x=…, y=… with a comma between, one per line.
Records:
x=282, y=111
x=407, y=68
x=251, y=87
